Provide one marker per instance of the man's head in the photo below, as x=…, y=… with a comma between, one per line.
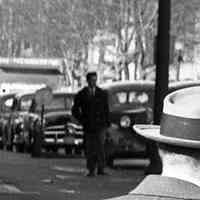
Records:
x=178, y=136
x=91, y=79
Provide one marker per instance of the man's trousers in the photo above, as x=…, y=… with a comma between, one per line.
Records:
x=94, y=146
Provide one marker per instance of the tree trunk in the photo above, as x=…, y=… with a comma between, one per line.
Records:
x=178, y=71
x=126, y=71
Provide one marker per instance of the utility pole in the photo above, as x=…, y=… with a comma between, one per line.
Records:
x=162, y=57
x=162, y=71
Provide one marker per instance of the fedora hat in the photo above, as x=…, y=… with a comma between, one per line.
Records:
x=180, y=121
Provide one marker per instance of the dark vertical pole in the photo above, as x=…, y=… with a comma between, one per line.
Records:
x=162, y=58
x=42, y=116
x=37, y=137
x=162, y=71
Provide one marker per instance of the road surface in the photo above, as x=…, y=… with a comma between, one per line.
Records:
x=23, y=177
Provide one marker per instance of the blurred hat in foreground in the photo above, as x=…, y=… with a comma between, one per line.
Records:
x=180, y=123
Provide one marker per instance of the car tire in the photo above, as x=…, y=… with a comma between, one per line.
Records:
x=20, y=148
x=68, y=150
x=47, y=149
x=54, y=149
x=1, y=146
x=110, y=161
x=9, y=147
x=78, y=150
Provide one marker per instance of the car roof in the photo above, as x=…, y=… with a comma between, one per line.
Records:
x=63, y=93
x=148, y=85
x=8, y=95
x=127, y=85
x=21, y=94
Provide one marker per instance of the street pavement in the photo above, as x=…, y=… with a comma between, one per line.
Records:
x=23, y=177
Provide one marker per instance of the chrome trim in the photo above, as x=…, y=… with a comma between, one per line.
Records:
x=54, y=132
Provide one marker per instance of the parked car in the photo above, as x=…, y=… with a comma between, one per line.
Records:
x=17, y=125
x=6, y=101
x=60, y=129
x=131, y=103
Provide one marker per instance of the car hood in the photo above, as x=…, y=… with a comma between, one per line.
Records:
x=132, y=111
x=57, y=118
x=128, y=109
x=56, y=113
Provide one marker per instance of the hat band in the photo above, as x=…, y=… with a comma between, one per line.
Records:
x=180, y=127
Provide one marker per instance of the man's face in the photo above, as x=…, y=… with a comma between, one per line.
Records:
x=92, y=80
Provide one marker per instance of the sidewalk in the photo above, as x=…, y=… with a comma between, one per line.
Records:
x=51, y=178
x=13, y=193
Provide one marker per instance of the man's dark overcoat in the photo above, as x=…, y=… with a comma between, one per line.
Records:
x=91, y=111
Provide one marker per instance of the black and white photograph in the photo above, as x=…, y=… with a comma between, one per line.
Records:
x=99, y=99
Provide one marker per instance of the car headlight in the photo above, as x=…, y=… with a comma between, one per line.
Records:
x=22, y=125
x=125, y=121
x=71, y=130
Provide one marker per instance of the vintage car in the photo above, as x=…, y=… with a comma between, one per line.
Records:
x=60, y=129
x=17, y=125
x=131, y=103
x=128, y=104
x=6, y=101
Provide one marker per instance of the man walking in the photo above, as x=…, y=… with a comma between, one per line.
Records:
x=178, y=139
x=91, y=110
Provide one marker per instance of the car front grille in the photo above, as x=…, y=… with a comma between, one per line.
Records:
x=54, y=134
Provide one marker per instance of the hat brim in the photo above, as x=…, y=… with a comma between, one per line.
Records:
x=152, y=132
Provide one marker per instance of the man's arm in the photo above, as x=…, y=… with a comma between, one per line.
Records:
x=76, y=108
x=106, y=109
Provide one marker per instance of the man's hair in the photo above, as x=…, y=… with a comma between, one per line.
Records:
x=90, y=74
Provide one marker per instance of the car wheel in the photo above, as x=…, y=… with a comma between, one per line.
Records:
x=1, y=146
x=28, y=148
x=110, y=161
x=47, y=149
x=20, y=148
x=55, y=149
x=68, y=150
x=78, y=150
x=9, y=147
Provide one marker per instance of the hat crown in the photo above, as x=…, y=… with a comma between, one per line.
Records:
x=180, y=123
x=183, y=103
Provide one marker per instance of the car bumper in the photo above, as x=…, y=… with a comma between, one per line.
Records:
x=62, y=142
x=124, y=142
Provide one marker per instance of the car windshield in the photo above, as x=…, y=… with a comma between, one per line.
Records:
x=7, y=104
x=129, y=97
x=25, y=102
x=59, y=102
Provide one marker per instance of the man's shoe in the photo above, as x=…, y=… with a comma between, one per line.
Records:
x=102, y=173
x=90, y=174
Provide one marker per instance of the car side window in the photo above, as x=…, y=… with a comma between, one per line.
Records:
x=7, y=105
x=25, y=104
x=121, y=97
x=143, y=98
x=133, y=97
x=138, y=97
